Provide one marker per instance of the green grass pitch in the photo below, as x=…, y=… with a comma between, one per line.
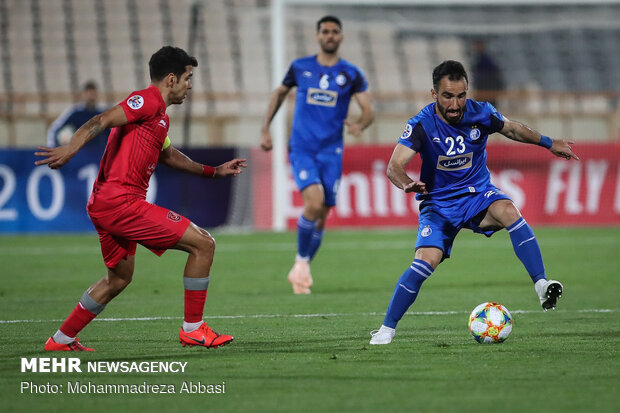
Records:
x=311, y=353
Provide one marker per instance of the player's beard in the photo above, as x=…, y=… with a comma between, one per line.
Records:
x=451, y=120
x=330, y=47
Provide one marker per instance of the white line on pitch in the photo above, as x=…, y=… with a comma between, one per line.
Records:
x=417, y=313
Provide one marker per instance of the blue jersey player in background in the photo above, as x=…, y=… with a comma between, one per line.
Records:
x=455, y=187
x=325, y=85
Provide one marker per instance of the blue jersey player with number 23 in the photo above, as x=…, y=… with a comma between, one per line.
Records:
x=455, y=187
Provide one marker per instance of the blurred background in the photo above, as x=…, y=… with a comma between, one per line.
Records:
x=551, y=64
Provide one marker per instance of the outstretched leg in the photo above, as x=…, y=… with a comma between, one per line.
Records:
x=504, y=213
x=92, y=303
x=406, y=292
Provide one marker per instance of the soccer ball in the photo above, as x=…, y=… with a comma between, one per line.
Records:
x=490, y=323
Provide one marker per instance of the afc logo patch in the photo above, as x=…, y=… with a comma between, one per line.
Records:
x=426, y=231
x=173, y=216
x=407, y=132
x=135, y=102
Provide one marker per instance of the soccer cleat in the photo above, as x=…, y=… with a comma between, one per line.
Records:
x=548, y=292
x=300, y=277
x=383, y=335
x=51, y=345
x=205, y=337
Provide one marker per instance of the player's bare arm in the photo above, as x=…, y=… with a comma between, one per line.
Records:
x=176, y=159
x=367, y=116
x=274, y=104
x=59, y=156
x=401, y=156
x=523, y=133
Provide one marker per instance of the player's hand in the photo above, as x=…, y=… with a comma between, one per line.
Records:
x=233, y=167
x=54, y=157
x=562, y=149
x=266, y=143
x=354, y=129
x=415, y=186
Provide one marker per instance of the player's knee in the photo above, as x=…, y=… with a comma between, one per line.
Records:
x=431, y=256
x=509, y=213
x=206, y=244
x=116, y=284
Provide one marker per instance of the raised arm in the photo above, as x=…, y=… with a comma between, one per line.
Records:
x=396, y=170
x=522, y=133
x=274, y=104
x=176, y=159
x=57, y=157
x=367, y=116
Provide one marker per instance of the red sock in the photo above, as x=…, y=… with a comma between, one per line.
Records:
x=77, y=320
x=194, y=305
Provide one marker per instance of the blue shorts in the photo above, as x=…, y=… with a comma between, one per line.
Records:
x=323, y=168
x=440, y=221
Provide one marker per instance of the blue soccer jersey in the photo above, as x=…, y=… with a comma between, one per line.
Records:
x=322, y=102
x=454, y=158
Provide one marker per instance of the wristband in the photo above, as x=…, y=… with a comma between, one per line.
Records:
x=545, y=141
x=208, y=171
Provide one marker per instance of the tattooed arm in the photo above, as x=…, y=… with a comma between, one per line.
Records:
x=57, y=157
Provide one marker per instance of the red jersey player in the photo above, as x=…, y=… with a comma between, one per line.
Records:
x=118, y=206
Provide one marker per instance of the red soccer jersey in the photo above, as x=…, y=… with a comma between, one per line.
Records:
x=132, y=152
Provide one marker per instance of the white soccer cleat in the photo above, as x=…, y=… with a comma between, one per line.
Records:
x=300, y=277
x=383, y=335
x=548, y=292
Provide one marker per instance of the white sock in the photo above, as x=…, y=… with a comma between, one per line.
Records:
x=189, y=327
x=62, y=338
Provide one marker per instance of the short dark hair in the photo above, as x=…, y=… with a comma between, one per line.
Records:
x=90, y=85
x=169, y=59
x=451, y=68
x=331, y=19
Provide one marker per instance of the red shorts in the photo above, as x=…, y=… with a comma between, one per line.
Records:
x=152, y=226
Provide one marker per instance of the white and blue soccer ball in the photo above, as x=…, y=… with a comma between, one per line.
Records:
x=490, y=323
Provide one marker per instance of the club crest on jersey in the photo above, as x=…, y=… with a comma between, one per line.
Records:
x=455, y=163
x=135, y=102
x=426, y=231
x=173, y=216
x=321, y=97
x=341, y=79
x=474, y=134
x=407, y=131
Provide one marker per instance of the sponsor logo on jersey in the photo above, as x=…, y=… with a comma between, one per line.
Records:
x=162, y=123
x=487, y=194
x=436, y=139
x=426, y=231
x=306, y=74
x=474, y=134
x=173, y=216
x=455, y=163
x=135, y=102
x=341, y=79
x=407, y=132
x=321, y=97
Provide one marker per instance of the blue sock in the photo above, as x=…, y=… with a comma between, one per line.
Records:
x=527, y=249
x=406, y=291
x=305, y=228
x=315, y=242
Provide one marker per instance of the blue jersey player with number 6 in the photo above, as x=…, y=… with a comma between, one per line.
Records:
x=455, y=187
x=325, y=85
